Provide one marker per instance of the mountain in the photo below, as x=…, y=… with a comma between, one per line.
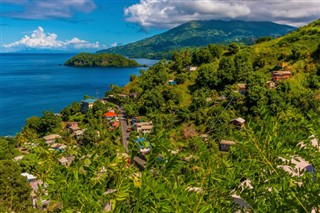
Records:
x=200, y=33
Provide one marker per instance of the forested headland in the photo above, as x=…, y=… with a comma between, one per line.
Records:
x=100, y=60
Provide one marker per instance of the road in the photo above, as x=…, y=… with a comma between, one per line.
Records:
x=124, y=127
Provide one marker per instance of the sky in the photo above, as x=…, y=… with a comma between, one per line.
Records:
x=91, y=25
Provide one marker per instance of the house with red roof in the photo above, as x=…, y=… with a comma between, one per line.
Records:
x=115, y=124
x=111, y=116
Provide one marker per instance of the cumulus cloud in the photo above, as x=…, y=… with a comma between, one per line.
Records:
x=44, y=9
x=170, y=13
x=41, y=40
x=114, y=44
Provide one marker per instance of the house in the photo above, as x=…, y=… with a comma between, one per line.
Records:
x=87, y=104
x=115, y=124
x=191, y=68
x=20, y=157
x=271, y=84
x=145, y=148
x=139, y=162
x=221, y=98
x=145, y=151
x=72, y=130
x=194, y=189
x=296, y=166
x=144, y=127
x=208, y=99
x=110, y=116
x=110, y=97
x=205, y=137
x=172, y=82
x=122, y=96
x=224, y=145
x=58, y=147
x=281, y=75
x=71, y=124
x=66, y=161
x=133, y=95
x=242, y=88
x=30, y=178
x=238, y=122
x=36, y=185
x=135, y=119
x=72, y=127
x=50, y=139
x=78, y=132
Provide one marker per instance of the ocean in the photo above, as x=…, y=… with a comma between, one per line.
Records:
x=33, y=83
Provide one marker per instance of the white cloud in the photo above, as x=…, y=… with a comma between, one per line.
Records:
x=114, y=44
x=41, y=40
x=47, y=9
x=170, y=13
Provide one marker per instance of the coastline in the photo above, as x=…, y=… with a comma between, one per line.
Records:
x=36, y=83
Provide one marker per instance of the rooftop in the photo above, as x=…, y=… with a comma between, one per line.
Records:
x=282, y=72
x=51, y=137
x=89, y=100
x=28, y=176
x=110, y=114
x=239, y=120
x=227, y=142
x=242, y=86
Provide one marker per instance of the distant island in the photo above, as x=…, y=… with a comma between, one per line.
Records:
x=100, y=60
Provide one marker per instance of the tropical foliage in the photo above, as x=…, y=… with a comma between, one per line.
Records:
x=186, y=171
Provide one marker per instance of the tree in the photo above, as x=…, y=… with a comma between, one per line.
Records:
x=99, y=109
x=243, y=66
x=14, y=189
x=49, y=123
x=7, y=148
x=263, y=39
x=215, y=50
x=208, y=76
x=180, y=78
x=181, y=60
x=90, y=137
x=227, y=71
x=132, y=77
x=233, y=48
x=33, y=123
x=71, y=110
x=202, y=56
x=316, y=53
x=177, y=59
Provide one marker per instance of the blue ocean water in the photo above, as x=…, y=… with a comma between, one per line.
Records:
x=33, y=83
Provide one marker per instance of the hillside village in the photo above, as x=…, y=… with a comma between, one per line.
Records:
x=224, y=128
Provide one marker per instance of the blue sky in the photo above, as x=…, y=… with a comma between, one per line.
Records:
x=77, y=25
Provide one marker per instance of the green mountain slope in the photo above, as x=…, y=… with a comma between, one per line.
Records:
x=200, y=33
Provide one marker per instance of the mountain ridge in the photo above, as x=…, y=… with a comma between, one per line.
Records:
x=195, y=34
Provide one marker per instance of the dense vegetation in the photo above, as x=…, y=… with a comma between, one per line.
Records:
x=199, y=34
x=185, y=170
x=100, y=60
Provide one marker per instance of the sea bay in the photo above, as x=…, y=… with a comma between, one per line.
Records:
x=33, y=83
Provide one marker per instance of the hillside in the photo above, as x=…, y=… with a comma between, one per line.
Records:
x=226, y=136
x=100, y=60
x=200, y=33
